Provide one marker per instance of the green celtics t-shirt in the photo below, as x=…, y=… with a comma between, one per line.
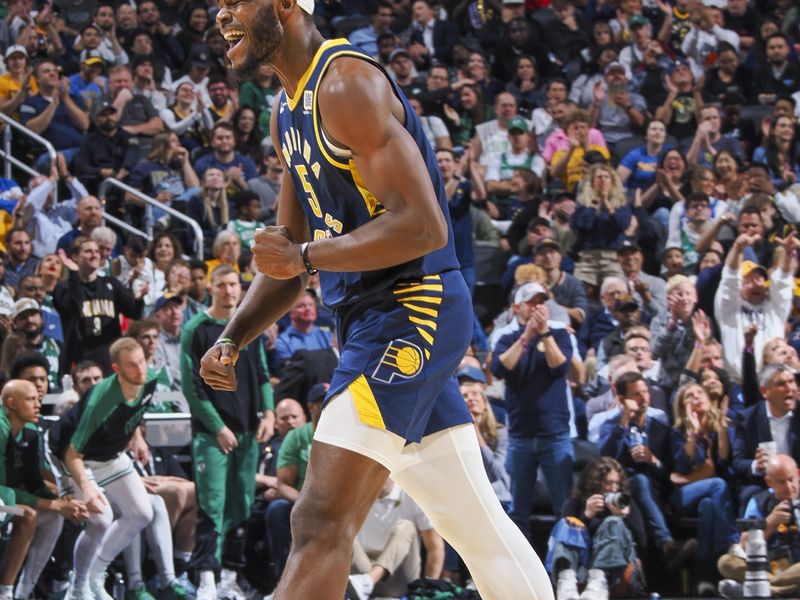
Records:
x=296, y=450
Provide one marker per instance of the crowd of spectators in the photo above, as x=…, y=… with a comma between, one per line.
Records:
x=622, y=179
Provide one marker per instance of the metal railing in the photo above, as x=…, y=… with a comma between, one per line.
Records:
x=5, y=151
x=149, y=204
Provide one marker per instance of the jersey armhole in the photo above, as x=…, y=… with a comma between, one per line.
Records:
x=346, y=153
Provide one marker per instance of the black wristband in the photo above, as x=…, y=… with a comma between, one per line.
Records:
x=545, y=334
x=304, y=253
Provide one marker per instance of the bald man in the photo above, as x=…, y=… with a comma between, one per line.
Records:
x=289, y=414
x=35, y=533
x=774, y=505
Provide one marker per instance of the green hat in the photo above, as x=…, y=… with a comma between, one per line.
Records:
x=518, y=123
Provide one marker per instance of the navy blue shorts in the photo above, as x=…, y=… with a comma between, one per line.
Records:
x=399, y=356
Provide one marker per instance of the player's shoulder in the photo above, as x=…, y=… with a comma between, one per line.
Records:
x=353, y=79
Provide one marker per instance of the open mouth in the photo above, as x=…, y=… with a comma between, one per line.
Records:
x=233, y=37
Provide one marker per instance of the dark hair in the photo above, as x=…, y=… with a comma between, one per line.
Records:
x=773, y=159
x=83, y=365
x=136, y=244
x=136, y=328
x=243, y=198
x=726, y=47
x=724, y=378
x=26, y=360
x=624, y=380
x=778, y=34
x=10, y=234
x=223, y=125
x=198, y=264
x=531, y=58
x=750, y=210
x=697, y=197
x=176, y=244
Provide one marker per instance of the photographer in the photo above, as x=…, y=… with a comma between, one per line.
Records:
x=778, y=506
x=602, y=511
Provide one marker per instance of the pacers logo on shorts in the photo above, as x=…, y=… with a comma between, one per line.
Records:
x=401, y=359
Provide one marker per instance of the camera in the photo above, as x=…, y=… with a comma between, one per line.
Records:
x=617, y=500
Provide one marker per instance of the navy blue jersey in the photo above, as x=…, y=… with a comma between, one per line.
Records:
x=330, y=188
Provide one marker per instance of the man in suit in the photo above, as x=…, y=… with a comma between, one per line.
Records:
x=432, y=39
x=772, y=420
x=637, y=436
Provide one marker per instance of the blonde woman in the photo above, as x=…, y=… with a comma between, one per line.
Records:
x=600, y=221
x=701, y=452
x=210, y=207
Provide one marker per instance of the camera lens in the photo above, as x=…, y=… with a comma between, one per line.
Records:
x=617, y=499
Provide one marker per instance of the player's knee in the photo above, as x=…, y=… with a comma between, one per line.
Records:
x=28, y=519
x=404, y=529
x=315, y=520
x=97, y=523
x=139, y=515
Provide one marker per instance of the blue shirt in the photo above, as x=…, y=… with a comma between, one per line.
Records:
x=292, y=340
x=366, y=39
x=642, y=167
x=462, y=223
x=536, y=397
x=61, y=132
x=209, y=160
x=88, y=90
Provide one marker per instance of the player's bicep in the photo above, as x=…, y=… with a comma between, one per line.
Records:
x=359, y=110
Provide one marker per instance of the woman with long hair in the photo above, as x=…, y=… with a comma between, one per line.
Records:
x=781, y=154
x=187, y=119
x=701, y=453
x=600, y=222
x=193, y=27
x=473, y=112
x=478, y=70
x=164, y=249
x=210, y=208
x=525, y=84
x=245, y=131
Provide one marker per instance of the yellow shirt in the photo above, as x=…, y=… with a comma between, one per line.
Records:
x=9, y=86
x=575, y=168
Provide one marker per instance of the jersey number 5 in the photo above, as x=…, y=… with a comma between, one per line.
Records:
x=302, y=172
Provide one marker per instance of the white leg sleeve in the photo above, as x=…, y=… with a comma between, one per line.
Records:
x=445, y=475
x=159, y=539
x=135, y=512
x=90, y=539
x=48, y=528
x=133, y=562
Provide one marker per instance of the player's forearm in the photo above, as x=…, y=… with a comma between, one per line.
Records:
x=266, y=301
x=77, y=470
x=391, y=239
x=434, y=563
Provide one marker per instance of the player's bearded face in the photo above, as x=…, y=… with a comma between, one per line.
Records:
x=263, y=34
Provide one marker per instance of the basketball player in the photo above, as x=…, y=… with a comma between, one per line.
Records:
x=362, y=201
x=35, y=532
x=87, y=450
